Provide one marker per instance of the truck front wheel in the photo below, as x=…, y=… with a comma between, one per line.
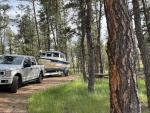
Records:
x=66, y=73
x=39, y=80
x=14, y=85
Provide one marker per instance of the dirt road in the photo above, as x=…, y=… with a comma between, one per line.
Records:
x=17, y=103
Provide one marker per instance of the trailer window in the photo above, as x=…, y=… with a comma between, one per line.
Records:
x=49, y=54
x=43, y=54
x=62, y=56
x=55, y=54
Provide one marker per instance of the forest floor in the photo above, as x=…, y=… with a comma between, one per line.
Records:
x=17, y=102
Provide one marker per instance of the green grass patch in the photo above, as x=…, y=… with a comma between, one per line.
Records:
x=73, y=97
x=143, y=95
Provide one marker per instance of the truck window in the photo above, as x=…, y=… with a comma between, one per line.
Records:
x=33, y=61
x=27, y=61
x=15, y=60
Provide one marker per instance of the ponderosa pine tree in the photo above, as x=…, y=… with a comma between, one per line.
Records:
x=82, y=11
x=142, y=46
x=90, y=47
x=120, y=49
x=146, y=15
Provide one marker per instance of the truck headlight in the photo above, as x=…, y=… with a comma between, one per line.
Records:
x=7, y=74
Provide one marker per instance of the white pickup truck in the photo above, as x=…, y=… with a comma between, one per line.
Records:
x=16, y=70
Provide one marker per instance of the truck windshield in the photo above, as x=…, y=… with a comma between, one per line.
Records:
x=16, y=60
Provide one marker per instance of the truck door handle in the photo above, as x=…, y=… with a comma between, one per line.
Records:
x=31, y=68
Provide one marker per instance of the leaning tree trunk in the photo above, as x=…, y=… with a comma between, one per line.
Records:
x=142, y=46
x=122, y=75
x=90, y=47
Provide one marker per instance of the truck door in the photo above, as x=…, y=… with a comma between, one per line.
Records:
x=34, y=68
x=27, y=69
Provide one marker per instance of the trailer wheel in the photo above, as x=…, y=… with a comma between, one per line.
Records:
x=14, y=85
x=39, y=80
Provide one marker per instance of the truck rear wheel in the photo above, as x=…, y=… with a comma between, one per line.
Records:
x=14, y=85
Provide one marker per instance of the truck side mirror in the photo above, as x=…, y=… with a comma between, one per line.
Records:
x=27, y=65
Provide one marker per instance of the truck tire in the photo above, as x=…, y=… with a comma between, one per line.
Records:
x=39, y=80
x=66, y=73
x=14, y=85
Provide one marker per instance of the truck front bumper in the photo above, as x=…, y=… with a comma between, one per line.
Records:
x=5, y=81
x=5, y=86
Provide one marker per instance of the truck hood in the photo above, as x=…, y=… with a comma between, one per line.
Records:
x=9, y=67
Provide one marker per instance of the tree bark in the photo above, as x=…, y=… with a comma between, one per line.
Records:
x=138, y=62
x=36, y=24
x=82, y=39
x=142, y=46
x=98, y=37
x=48, y=30
x=90, y=47
x=122, y=75
x=54, y=37
x=3, y=45
x=146, y=15
x=99, y=47
x=72, y=60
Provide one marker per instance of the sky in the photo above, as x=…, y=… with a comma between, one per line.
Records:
x=12, y=12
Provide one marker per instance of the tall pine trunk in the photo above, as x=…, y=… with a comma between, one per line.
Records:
x=48, y=30
x=82, y=8
x=99, y=47
x=90, y=47
x=147, y=16
x=36, y=25
x=122, y=75
x=142, y=46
